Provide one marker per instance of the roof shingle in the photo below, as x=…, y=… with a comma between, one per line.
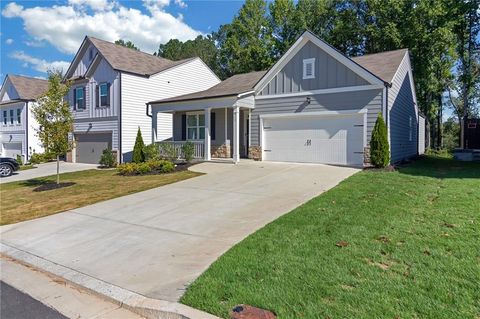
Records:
x=132, y=61
x=28, y=88
x=384, y=64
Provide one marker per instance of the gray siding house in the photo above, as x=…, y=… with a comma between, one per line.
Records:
x=314, y=105
x=111, y=85
x=18, y=135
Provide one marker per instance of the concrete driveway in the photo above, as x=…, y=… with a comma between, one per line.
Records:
x=156, y=242
x=46, y=169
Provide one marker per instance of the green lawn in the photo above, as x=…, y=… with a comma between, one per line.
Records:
x=413, y=251
x=21, y=202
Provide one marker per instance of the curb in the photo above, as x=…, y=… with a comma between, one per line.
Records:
x=147, y=307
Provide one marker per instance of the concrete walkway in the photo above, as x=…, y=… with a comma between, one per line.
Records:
x=46, y=169
x=156, y=242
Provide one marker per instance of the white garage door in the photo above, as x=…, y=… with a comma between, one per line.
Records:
x=12, y=149
x=331, y=139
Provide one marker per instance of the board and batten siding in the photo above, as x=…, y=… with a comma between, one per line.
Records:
x=189, y=77
x=403, y=115
x=329, y=73
x=103, y=74
x=84, y=63
x=356, y=100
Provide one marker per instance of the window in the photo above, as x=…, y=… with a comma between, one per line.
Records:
x=90, y=54
x=19, y=116
x=104, y=92
x=5, y=117
x=11, y=117
x=195, y=126
x=79, y=98
x=309, y=68
x=410, y=127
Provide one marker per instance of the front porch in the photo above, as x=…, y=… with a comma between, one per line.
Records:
x=216, y=131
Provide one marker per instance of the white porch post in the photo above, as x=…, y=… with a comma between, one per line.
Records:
x=154, y=126
x=236, y=134
x=207, y=155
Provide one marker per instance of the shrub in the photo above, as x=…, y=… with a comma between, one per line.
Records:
x=138, y=155
x=168, y=152
x=160, y=166
x=151, y=152
x=188, y=150
x=37, y=158
x=108, y=159
x=19, y=159
x=379, y=149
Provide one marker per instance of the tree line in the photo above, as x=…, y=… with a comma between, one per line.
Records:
x=442, y=35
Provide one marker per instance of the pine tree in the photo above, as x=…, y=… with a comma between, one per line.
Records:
x=379, y=148
x=138, y=155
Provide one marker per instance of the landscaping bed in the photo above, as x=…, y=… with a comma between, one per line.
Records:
x=40, y=197
x=402, y=244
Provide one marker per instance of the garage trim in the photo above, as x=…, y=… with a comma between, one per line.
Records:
x=340, y=113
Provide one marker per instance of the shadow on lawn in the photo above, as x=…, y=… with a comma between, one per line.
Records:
x=441, y=167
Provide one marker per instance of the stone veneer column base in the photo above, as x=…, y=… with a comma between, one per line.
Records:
x=366, y=156
x=70, y=157
x=221, y=151
x=255, y=153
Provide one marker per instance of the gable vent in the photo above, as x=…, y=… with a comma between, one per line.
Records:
x=309, y=68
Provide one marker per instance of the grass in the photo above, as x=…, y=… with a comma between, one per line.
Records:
x=26, y=167
x=21, y=202
x=413, y=251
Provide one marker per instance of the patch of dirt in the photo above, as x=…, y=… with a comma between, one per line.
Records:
x=347, y=287
x=52, y=186
x=384, y=239
x=389, y=168
x=381, y=265
x=183, y=166
x=342, y=243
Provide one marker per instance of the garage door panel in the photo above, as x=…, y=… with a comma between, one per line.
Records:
x=332, y=140
x=12, y=149
x=89, y=147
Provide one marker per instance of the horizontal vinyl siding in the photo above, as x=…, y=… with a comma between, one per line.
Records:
x=99, y=127
x=371, y=100
x=34, y=143
x=137, y=91
x=329, y=73
x=402, y=109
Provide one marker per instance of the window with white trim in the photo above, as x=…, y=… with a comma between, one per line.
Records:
x=11, y=117
x=410, y=127
x=19, y=116
x=309, y=68
x=79, y=98
x=195, y=126
x=5, y=117
x=104, y=89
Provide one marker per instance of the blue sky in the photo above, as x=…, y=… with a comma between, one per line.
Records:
x=37, y=35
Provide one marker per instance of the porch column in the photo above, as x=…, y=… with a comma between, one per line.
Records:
x=207, y=155
x=236, y=134
x=154, y=126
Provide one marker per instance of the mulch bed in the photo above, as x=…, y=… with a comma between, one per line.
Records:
x=51, y=186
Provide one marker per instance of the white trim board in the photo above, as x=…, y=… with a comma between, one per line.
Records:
x=301, y=41
x=324, y=91
x=319, y=113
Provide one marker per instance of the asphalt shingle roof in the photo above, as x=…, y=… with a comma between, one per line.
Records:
x=384, y=64
x=234, y=85
x=132, y=61
x=28, y=88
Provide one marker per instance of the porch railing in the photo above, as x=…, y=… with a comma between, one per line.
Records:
x=177, y=146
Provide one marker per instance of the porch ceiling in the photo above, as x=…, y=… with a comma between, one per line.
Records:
x=198, y=104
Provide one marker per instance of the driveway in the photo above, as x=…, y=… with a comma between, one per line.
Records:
x=46, y=169
x=156, y=242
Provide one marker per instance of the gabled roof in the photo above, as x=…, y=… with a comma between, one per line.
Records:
x=383, y=64
x=28, y=88
x=234, y=85
x=126, y=59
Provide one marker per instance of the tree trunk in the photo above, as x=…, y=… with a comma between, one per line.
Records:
x=439, y=123
x=58, y=169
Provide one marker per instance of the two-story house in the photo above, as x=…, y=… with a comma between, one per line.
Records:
x=18, y=134
x=111, y=85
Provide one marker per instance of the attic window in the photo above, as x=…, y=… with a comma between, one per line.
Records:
x=90, y=54
x=309, y=68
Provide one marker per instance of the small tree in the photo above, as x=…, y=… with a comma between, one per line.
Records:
x=55, y=120
x=379, y=148
x=138, y=154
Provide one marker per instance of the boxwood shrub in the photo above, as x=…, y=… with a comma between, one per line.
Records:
x=148, y=167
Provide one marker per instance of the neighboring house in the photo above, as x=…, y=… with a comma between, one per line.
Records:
x=18, y=134
x=110, y=87
x=314, y=105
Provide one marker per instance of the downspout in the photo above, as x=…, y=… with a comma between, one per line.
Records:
x=120, y=156
x=146, y=111
x=26, y=132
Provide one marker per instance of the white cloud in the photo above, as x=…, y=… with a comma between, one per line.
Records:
x=65, y=26
x=181, y=3
x=39, y=64
x=9, y=41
